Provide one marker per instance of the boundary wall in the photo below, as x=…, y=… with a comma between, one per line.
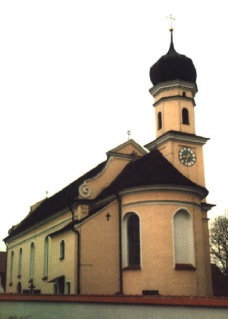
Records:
x=110, y=307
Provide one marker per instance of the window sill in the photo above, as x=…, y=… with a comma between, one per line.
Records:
x=45, y=278
x=11, y=284
x=19, y=276
x=30, y=281
x=184, y=267
x=132, y=268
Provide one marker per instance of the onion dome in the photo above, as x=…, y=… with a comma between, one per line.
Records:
x=173, y=66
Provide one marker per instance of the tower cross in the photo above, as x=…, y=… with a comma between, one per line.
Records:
x=171, y=21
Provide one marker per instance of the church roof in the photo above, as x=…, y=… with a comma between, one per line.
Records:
x=173, y=66
x=151, y=169
x=55, y=203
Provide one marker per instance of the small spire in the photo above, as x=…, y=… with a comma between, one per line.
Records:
x=171, y=48
x=129, y=134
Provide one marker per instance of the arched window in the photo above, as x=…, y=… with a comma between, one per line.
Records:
x=184, y=94
x=46, y=251
x=20, y=263
x=11, y=266
x=183, y=239
x=32, y=259
x=185, y=116
x=62, y=249
x=131, y=240
x=159, y=120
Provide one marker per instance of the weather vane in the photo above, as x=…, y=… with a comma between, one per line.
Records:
x=171, y=21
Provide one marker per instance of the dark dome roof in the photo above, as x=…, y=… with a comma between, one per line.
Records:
x=173, y=66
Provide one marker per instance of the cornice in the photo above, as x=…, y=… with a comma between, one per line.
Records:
x=170, y=85
x=196, y=190
x=176, y=136
x=29, y=238
x=36, y=225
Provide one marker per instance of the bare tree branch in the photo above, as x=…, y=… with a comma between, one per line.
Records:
x=219, y=242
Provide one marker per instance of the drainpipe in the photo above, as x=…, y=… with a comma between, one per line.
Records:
x=79, y=253
x=120, y=245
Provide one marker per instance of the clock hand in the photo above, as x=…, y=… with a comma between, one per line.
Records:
x=187, y=157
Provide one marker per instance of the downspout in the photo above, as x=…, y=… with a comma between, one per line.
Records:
x=120, y=245
x=6, y=280
x=79, y=254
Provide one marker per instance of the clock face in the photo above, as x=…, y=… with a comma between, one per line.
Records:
x=187, y=156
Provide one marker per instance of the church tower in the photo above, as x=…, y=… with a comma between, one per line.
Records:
x=174, y=80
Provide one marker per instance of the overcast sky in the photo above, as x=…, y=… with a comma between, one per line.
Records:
x=74, y=78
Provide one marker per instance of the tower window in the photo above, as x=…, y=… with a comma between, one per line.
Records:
x=159, y=120
x=185, y=116
x=184, y=94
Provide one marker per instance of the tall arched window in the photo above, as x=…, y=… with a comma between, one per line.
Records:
x=185, y=116
x=159, y=120
x=183, y=239
x=62, y=249
x=11, y=266
x=131, y=240
x=46, y=252
x=20, y=263
x=32, y=259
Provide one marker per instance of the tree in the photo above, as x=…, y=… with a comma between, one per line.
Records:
x=219, y=242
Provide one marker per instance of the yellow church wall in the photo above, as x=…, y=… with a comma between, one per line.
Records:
x=23, y=241
x=177, y=91
x=157, y=251
x=63, y=267
x=195, y=172
x=100, y=253
x=171, y=111
x=102, y=180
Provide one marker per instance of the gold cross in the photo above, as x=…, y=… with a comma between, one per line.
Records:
x=171, y=20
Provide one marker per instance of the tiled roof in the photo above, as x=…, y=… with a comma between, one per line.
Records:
x=55, y=203
x=151, y=169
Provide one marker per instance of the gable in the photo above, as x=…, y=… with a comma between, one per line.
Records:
x=129, y=148
x=118, y=158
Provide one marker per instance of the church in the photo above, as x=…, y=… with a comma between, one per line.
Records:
x=136, y=224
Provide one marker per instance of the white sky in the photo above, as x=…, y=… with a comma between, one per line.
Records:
x=74, y=78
